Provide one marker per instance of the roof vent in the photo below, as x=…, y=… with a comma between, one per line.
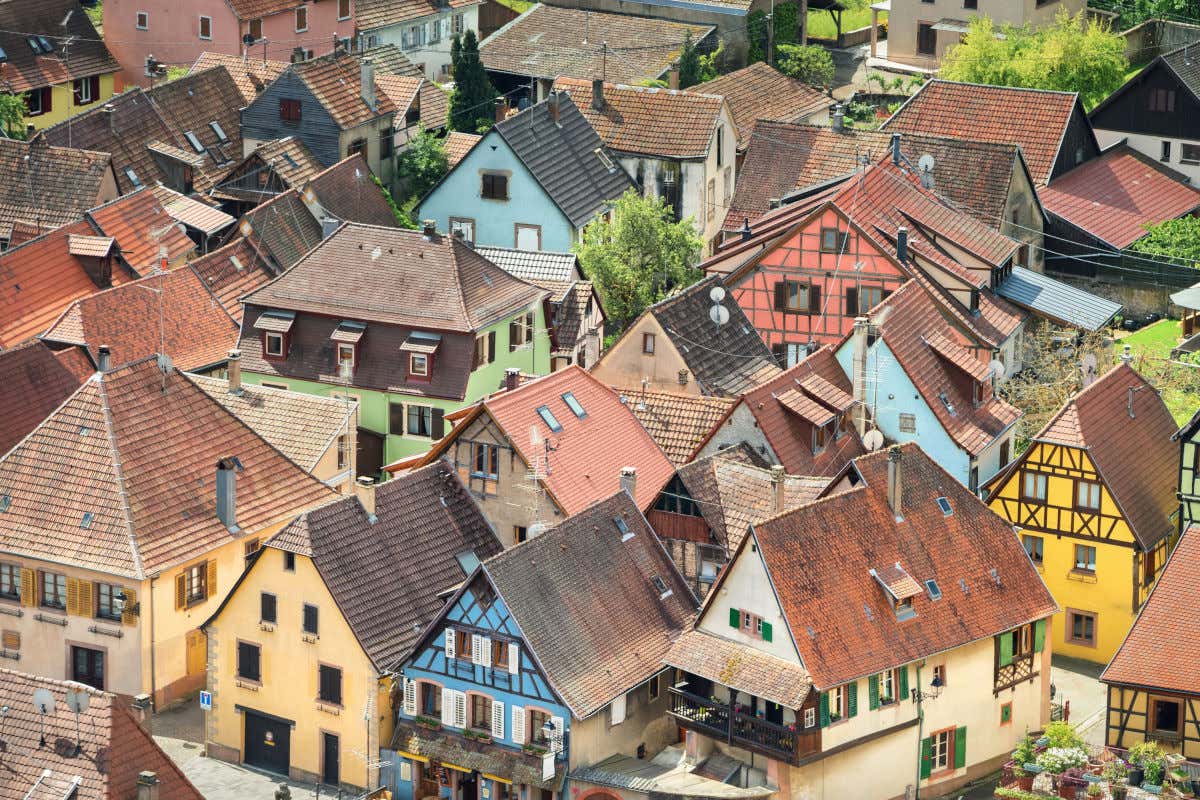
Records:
x=227, y=470
x=946, y=402
x=962, y=584
x=995, y=573
x=868, y=612
x=811, y=633
x=661, y=587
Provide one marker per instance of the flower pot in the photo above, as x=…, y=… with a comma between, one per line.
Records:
x=1136, y=775
x=1067, y=791
x=1025, y=783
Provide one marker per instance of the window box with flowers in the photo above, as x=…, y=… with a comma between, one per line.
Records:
x=429, y=723
x=535, y=750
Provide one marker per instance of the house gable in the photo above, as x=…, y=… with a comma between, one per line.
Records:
x=1128, y=109
x=627, y=363
x=318, y=130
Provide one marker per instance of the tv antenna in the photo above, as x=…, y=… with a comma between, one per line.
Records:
x=78, y=699
x=43, y=704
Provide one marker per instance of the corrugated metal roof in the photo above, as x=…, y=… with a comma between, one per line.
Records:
x=1057, y=300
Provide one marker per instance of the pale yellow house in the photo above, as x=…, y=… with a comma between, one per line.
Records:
x=124, y=518
x=302, y=653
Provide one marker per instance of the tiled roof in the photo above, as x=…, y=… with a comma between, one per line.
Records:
x=535, y=266
x=372, y=14
x=1034, y=119
x=289, y=159
x=58, y=21
x=283, y=228
x=142, y=227
x=761, y=92
x=349, y=192
x=143, y=445
x=457, y=144
x=585, y=599
x=1183, y=63
x=678, y=422
x=231, y=272
x=1116, y=196
x=35, y=380
x=820, y=556
x=648, y=121
x=250, y=74
x=335, y=81
x=435, y=106
x=191, y=212
x=789, y=436
x=386, y=575
x=54, y=187
x=1140, y=467
x=563, y=159
x=114, y=748
x=402, y=89
x=548, y=42
x=572, y=314
x=745, y=669
x=725, y=359
x=1157, y=651
x=254, y=9
x=388, y=58
x=398, y=277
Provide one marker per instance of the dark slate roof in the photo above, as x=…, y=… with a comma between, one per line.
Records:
x=386, y=576
x=562, y=158
x=349, y=192
x=52, y=188
x=726, y=359
x=587, y=604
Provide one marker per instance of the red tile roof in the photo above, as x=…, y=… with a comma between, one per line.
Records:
x=820, y=555
x=349, y=192
x=254, y=9
x=336, y=81
x=250, y=74
x=761, y=92
x=1116, y=196
x=48, y=186
x=457, y=145
x=1035, y=119
x=678, y=422
x=142, y=227
x=35, y=380
x=59, y=21
x=232, y=272
x=372, y=14
x=1159, y=650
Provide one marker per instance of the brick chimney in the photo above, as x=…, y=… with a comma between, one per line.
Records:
x=512, y=378
x=673, y=77
x=234, y=370
x=629, y=480
x=501, y=109
x=367, y=84
x=858, y=377
x=598, y=94
x=147, y=785
x=364, y=488
x=777, y=483
x=895, y=484
x=429, y=228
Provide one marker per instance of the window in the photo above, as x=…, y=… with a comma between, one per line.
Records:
x=939, y=675
x=833, y=240
x=1022, y=641
x=1082, y=628
x=464, y=226
x=862, y=299
x=289, y=562
x=796, y=296
x=837, y=703
x=420, y=421
x=1148, y=570
x=537, y=727
x=720, y=136
x=106, y=601
x=418, y=365
x=485, y=460
x=457, y=24
x=971, y=5
x=33, y=102
x=485, y=349
x=1085, y=558
x=1189, y=153
x=520, y=331
x=435, y=31
x=1033, y=547
x=274, y=344
x=462, y=645
x=711, y=561
x=908, y=423
x=574, y=405
x=1005, y=452
x=1033, y=487
x=10, y=581
x=712, y=198
x=249, y=662
x=84, y=93
x=548, y=417
x=499, y=655
x=255, y=29
x=311, y=621
x=343, y=452
x=142, y=21
x=1166, y=718
x=343, y=9
x=385, y=141
x=267, y=608
x=431, y=700
x=1162, y=100
x=1165, y=153
x=330, y=680
x=289, y=110
x=205, y=27
x=527, y=237
x=1087, y=495
x=887, y=687
x=251, y=547
x=345, y=357
x=494, y=187
x=301, y=19
x=943, y=747
x=648, y=343
x=926, y=39
x=654, y=687
x=357, y=146
x=810, y=718
x=481, y=712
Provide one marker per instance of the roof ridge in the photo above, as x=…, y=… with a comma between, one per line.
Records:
x=135, y=550
x=1004, y=88
x=1073, y=400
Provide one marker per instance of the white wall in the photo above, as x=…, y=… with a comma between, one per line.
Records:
x=434, y=55
x=1151, y=146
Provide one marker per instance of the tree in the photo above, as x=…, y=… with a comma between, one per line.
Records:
x=12, y=115
x=689, y=62
x=473, y=98
x=1175, y=239
x=638, y=257
x=787, y=24
x=756, y=33
x=1074, y=54
x=421, y=164
x=811, y=64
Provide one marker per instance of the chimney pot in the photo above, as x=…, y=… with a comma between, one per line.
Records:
x=141, y=706
x=777, y=483
x=364, y=487
x=673, y=76
x=629, y=480
x=429, y=228
x=227, y=469
x=552, y=104
x=234, y=370
x=367, y=83
x=839, y=119
x=895, y=485
x=598, y=94
x=501, y=109
x=902, y=244
x=512, y=378
x=103, y=358
x=147, y=785
x=1127, y=355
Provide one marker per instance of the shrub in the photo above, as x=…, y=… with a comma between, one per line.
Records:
x=1026, y=752
x=1059, y=759
x=1063, y=734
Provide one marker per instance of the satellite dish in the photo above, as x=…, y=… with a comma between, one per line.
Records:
x=926, y=163
x=78, y=700
x=719, y=314
x=247, y=39
x=716, y=294
x=997, y=369
x=873, y=440
x=43, y=701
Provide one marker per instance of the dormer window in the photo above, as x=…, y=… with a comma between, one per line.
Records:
x=821, y=436
x=418, y=365
x=276, y=327
x=273, y=345
x=900, y=588
x=347, y=355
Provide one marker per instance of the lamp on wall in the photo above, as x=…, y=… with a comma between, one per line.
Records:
x=122, y=604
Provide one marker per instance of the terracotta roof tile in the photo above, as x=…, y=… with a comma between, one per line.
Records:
x=1116, y=196
x=232, y=272
x=457, y=144
x=820, y=555
x=745, y=669
x=336, y=81
x=349, y=192
x=679, y=423
x=254, y=9
x=1157, y=651
x=249, y=74
x=191, y=212
x=54, y=187
x=572, y=314
x=372, y=14
x=26, y=69
x=283, y=228
x=35, y=383
x=761, y=92
x=142, y=227
x=535, y=266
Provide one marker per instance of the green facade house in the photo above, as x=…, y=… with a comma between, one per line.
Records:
x=411, y=324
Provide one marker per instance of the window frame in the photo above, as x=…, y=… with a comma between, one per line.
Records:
x=489, y=182
x=195, y=581
x=907, y=422
x=648, y=344
x=290, y=109
x=418, y=358
x=267, y=350
x=841, y=239
x=331, y=670
x=238, y=674
x=200, y=28
x=946, y=763
x=315, y=629
x=342, y=17
x=262, y=608
x=82, y=88
x=432, y=691
x=301, y=13
x=486, y=701
x=837, y=704
x=1092, y=488
x=801, y=289
x=106, y=607
x=10, y=575
x=423, y=416
x=344, y=348
x=1152, y=729
x=488, y=454
x=1089, y=551
x=1040, y=547
x=251, y=25
x=141, y=20
x=1184, y=149
x=1039, y=478
x=1071, y=638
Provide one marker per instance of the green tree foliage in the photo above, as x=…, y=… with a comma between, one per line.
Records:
x=1132, y=12
x=421, y=164
x=12, y=115
x=471, y=102
x=710, y=65
x=402, y=219
x=1073, y=54
x=689, y=62
x=1175, y=239
x=639, y=256
x=811, y=64
x=787, y=24
x=756, y=33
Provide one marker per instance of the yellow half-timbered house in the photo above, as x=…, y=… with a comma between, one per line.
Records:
x=1188, y=438
x=1093, y=501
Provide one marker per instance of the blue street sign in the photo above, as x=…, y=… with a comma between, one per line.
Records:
x=206, y=701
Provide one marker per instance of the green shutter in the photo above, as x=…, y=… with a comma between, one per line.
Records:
x=926, y=757
x=873, y=692
x=735, y=618
x=1039, y=635
x=960, y=748
x=766, y=631
x=852, y=699
x=824, y=709
x=902, y=684
x=1005, y=649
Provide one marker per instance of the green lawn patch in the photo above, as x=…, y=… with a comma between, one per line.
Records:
x=519, y=6
x=1151, y=349
x=1152, y=341
x=821, y=24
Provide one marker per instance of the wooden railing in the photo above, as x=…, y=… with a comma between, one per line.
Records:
x=716, y=719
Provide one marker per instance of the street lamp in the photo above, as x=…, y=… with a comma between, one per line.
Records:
x=121, y=603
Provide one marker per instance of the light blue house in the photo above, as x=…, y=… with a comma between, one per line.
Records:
x=927, y=380
x=526, y=673
x=532, y=182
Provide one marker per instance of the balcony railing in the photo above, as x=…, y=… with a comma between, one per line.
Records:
x=1009, y=675
x=716, y=719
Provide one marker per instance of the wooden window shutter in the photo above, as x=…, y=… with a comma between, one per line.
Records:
x=73, y=596
x=491, y=354
x=852, y=699
x=437, y=423
x=12, y=640
x=902, y=683
x=518, y=725
x=960, y=747
x=560, y=729
x=212, y=579
x=617, y=710
x=873, y=692
x=410, y=696
x=485, y=652
x=76, y=89
x=180, y=590
x=1039, y=635
x=448, y=704
x=95, y=86
x=86, y=600
x=497, y=720
x=514, y=658
x=460, y=709
x=127, y=615
x=476, y=648
x=735, y=618
x=766, y=631
x=851, y=301
x=926, y=757
x=28, y=587
x=814, y=298
x=1006, y=652
x=824, y=714
x=47, y=100
x=781, y=296
x=449, y=646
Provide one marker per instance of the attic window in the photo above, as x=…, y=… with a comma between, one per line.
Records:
x=548, y=417
x=86, y=522
x=905, y=610
x=218, y=130
x=661, y=587
x=133, y=178
x=626, y=534
x=605, y=159
x=40, y=45
x=193, y=141
x=944, y=505
x=468, y=561
x=935, y=591
x=573, y=404
x=5, y=502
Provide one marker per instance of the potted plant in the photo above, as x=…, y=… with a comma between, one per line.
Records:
x=1023, y=778
x=1145, y=764
x=1070, y=782
x=1094, y=790
x=428, y=722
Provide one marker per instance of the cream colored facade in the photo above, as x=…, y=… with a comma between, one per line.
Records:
x=626, y=364
x=907, y=16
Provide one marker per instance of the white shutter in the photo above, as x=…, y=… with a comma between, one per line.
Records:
x=514, y=658
x=449, y=643
x=485, y=656
x=617, y=709
x=556, y=739
x=447, y=706
x=410, y=696
x=518, y=724
x=497, y=720
x=476, y=649
x=460, y=709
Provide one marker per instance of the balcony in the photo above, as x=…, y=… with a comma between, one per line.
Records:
x=717, y=720
x=1009, y=675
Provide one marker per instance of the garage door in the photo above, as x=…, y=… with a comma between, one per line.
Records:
x=268, y=742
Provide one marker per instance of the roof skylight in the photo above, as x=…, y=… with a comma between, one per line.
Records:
x=944, y=505
x=935, y=591
x=548, y=417
x=623, y=527
x=574, y=405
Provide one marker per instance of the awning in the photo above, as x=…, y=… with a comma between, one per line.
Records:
x=348, y=332
x=93, y=246
x=275, y=321
x=1188, y=298
x=1057, y=301
x=951, y=25
x=806, y=409
x=422, y=342
x=740, y=667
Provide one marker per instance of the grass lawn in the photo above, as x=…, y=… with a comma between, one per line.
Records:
x=519, y=6
x=1152, y=341
x=857, y=15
